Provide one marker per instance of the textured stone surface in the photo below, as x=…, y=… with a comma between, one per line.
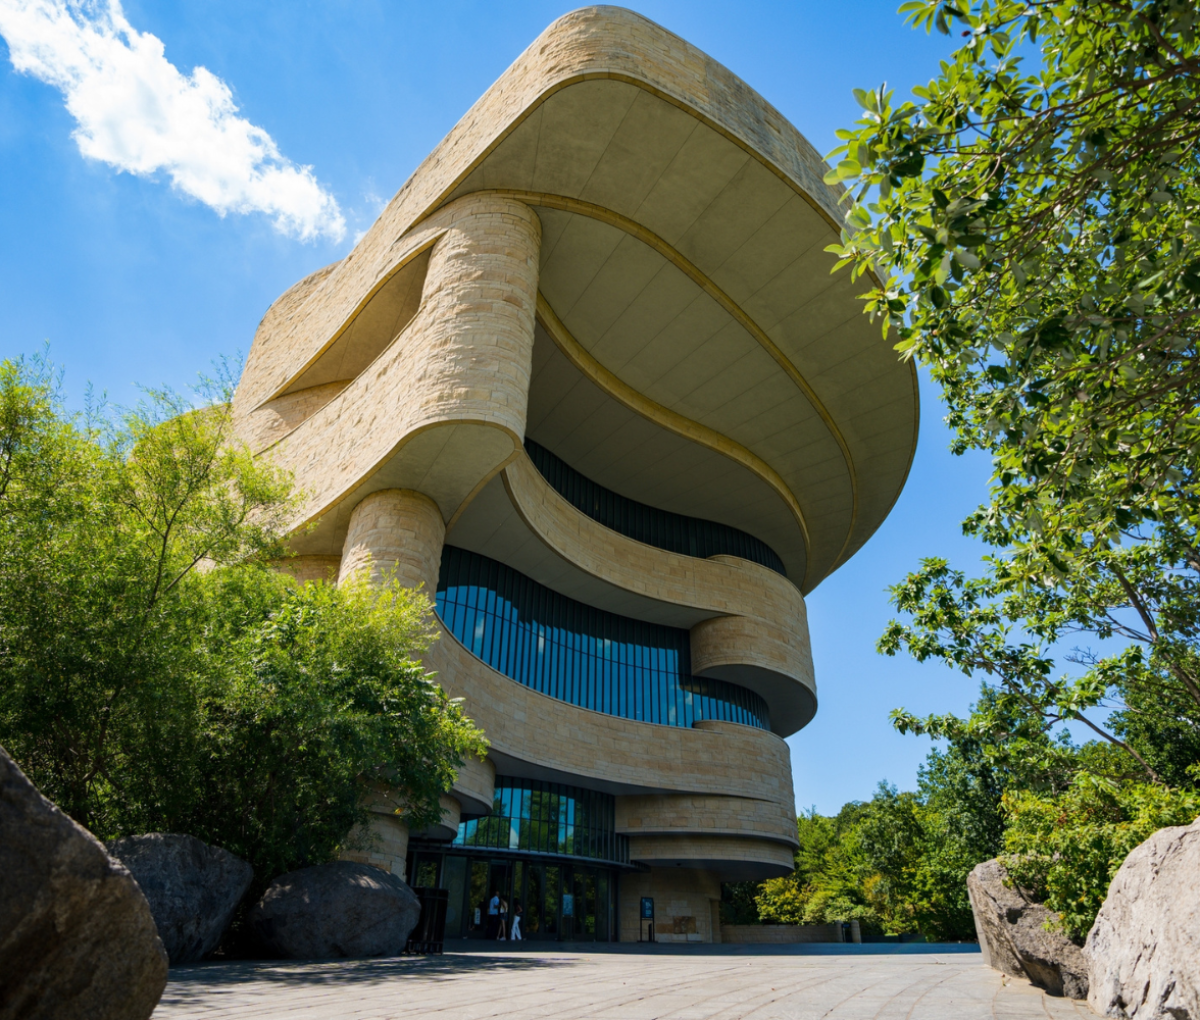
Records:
x=1014, y=939
x=679, y=893
x=383, y=841
x=192, y=888
x=444, y=404
x=76, y=936
x=781, y=934
x=621, y=183
x=608, y=109
x=529, y=982
x=334, y=910
x=763, y=623
x=1144, y=949
x=397, y=532
x=711, y=758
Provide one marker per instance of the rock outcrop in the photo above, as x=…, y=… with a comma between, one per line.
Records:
x=1144, y=949
x=333, y=910
x=193, y=889
x=1014, y=938
x=76, y=936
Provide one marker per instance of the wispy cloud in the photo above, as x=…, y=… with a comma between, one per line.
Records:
x=138, y=112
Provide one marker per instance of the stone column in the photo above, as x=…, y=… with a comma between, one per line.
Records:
x=393, y=533
x=397, y=532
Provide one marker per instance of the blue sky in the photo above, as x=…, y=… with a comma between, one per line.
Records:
x=133, y=279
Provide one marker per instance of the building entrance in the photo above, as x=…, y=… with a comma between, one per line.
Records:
x=559, y=900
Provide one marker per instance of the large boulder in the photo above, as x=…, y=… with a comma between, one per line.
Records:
x=1021, y=938
x=193, y=888
x=76, y=936
x=1144, y=948
x=341, y=909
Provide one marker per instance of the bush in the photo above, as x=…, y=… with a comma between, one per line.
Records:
x=1066, y=849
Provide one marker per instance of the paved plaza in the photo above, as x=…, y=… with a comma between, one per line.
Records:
x=709, y=983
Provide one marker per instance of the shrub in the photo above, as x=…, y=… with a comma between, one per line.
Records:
x=1066, y=849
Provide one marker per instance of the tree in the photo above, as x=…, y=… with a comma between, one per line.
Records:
x=1033, y=237
x=157, y=674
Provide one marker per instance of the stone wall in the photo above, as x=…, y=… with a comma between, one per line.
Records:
x=686, y=905
x=781, y=934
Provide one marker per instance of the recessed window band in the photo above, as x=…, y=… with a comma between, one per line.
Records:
x=580, y=654
x=662, y=529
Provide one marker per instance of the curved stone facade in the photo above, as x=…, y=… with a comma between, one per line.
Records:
x=617, y=255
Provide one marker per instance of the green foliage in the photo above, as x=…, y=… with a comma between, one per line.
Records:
x=322, y=693
x=156, y=674
x=1066, y=849
x=897, y=863
x=1033, y=236
x=1036, y=234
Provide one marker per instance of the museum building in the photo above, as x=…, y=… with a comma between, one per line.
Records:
x=589, y=380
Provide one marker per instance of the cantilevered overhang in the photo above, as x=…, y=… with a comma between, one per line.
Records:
x=684, y=289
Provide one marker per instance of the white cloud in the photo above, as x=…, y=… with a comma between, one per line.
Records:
x=138, y=112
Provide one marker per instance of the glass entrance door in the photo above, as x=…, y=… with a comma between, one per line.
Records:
x=499, y=884
x=560, y=901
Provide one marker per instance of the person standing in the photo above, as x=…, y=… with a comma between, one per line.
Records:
x=503, y=921
x=517, y=911
x=493, y=915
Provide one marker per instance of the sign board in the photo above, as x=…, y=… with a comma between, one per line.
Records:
x=647, y=908
x=568, y=902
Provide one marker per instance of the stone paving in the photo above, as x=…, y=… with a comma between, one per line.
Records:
x=697, y=984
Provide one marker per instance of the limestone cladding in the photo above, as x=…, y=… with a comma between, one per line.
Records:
x=476, y=785
x=398, y=532
x=278, y=417
x=686, y=905
x=693, y=814
x=557, y=737
x=742, y=775
x=593, y=42
x=766, y=625
x=311, y=568
x=395, y=533
x=731, y=857
x=742, y=640
x=463, y=360
x=383, y=841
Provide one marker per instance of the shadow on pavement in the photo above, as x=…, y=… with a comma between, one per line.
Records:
x=212, y=973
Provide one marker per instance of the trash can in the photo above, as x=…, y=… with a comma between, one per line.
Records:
x=430, y=931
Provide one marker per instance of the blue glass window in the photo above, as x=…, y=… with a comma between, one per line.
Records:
x=548, y=818
x=580, y=654
x=659, y=528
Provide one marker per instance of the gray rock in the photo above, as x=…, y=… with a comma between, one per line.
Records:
x=1014, y=938
x=76, y=936
x=1144, y=948
x=193, y=889
x=341, y=909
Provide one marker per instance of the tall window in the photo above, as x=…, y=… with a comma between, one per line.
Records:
x=548, y=818
x=580, y=654
x=659, y=528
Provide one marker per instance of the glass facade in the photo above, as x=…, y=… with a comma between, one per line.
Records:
x=548, y=818
x=580, y=654
x=659, y=528
x=557, y=899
